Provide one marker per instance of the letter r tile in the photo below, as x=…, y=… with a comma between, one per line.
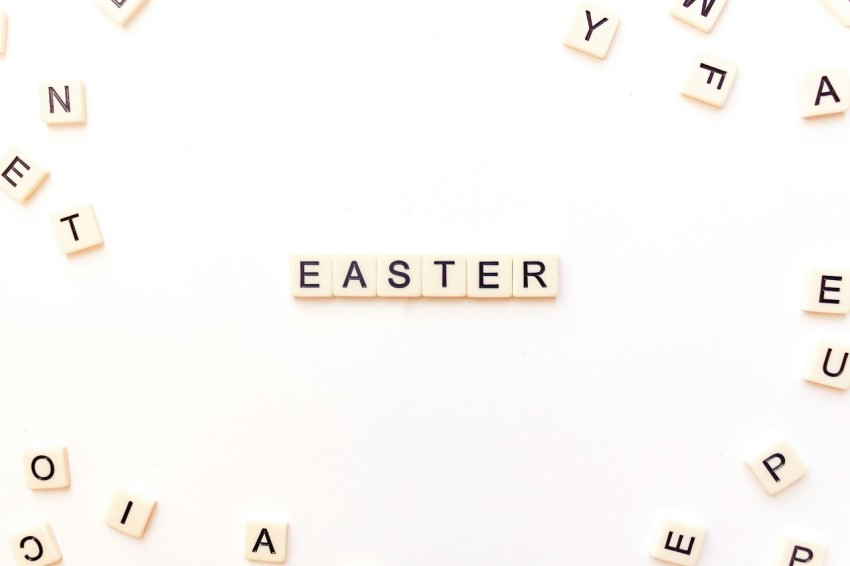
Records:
x=677, y=541
x=710, y=80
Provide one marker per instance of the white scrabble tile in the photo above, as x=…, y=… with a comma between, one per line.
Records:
x=76, y=229
x=777, y=467
x=21, y=175
x=47, y=468
x=701, y=14
x=265, y=541
x=828, y=365
x=355, y=276
x=592, y=30
x=710, y=80
x=444, y=275
x=824, y=92
x=129, y=512
x=120, y=11
x=794, y=549
x=63, y=102
x=311, y=275
x=400, y=275
x=827, y=291
x=840, y=9
x=535, y=276
x=4, y=24
x=35, y=546
x=489, y=276
x=677, y=541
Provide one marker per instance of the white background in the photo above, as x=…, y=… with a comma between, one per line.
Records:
x=223, y=136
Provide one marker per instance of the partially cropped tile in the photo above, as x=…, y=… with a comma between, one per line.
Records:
x=701, y=14
x=824, y=92
x=400, y=275
x=828, y=365
x=62, y=102
x=355, y=276
x=827, y=291
x=76, y=229
x=592, y=30
x=47, y=468
x=794, y=549
x=444, y=275
x=535, y=276
x=4, y=25
x=120, y=11
x=710, y=80
x=21, y=175
x=678, y=541
x=489, y=276
x=35, y=546
x=840, y=9
x=265, y=541
x=311, y=275
x=777, y=466
x=129, y=512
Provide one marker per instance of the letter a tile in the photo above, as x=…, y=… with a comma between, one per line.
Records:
x=824, y=92
x=711, y=80
x=678, y=542
x=592, y=30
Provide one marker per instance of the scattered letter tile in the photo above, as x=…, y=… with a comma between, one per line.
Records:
x=794, y=549
x=47, y=468
x=489, y=276
x=63, y=102
x=4, y=22
x=265, y=541
x=535, y=276
x=355, y=276
x=828, y=365
x=840, y=9
x=76, y=229
x=444, y=275
x=129, y=512
x=120, y=11
x=777, y=467
x=827, y=291
x=701, y=14
x=400, y=275
x=311, y=275
x=711, y=80
x=35, y=546
x=678, y=542
x=592, y=30
x=824, y=92
x=20, y=175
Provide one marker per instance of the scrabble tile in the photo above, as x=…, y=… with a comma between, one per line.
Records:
x=47, y=468
x=828, y=365
x=824, y=92
x=794, y=549
x=489, y=276
x=129, y=512
x=4, y=23
x=827, y=291
x=265, y=541
x=63, y=102
x=76, y=229
x=120, y=11
x=777, y=467
x=701, y=14
x=311, y=275
x=535, y=276
x=21, y=175
x=592, y=30
x=711, y=80
x=840, y=9
x=355, y=276
x=444, y=275
x=35, y=546
x=399, y=275
x=677, y=541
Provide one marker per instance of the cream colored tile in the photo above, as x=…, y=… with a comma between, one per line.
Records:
x=777, y=467
x=489, y=276
x=120, y=11
x=35, y=546
x=535, y=276
x=444, y=275
x=677, y=541
x=355, y=276
x=710, y=80
x=824, y=92
x=63, y=102
x=701, y=14
x=4, y=25
x=828, y=365
x=311, y=275
x=47, y=468
x=827, y=291
x=840, y=9
x=265, y=541
x=400, y=275
x=129, y=512
x=592, y=30
x=76, y=229
x=21, y=175
x=794, y=549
